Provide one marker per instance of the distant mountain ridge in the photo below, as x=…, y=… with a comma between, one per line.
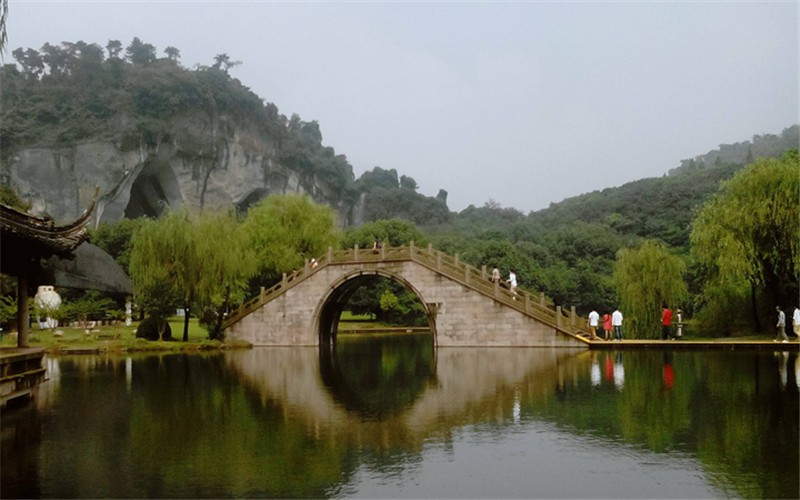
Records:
x=743, y=153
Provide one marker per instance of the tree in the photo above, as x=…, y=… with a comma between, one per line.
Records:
x=157, y=261
x=646, y=278
x=284, y=230
x=173, y=54
x=395, y=232
x=747, y=236
x=189, y=261
x=225, y=262
x=140, y=53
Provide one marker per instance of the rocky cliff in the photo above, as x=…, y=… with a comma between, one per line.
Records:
x=201, y=162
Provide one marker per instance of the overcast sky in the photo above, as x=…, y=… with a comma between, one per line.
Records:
x=524, y=103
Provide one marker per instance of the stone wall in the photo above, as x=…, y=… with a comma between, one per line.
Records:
x=463, y=317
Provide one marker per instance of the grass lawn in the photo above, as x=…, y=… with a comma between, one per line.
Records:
x=118, y=338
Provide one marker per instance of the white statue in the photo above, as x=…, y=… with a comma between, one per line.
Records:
x=47, y=300
x=128, y=312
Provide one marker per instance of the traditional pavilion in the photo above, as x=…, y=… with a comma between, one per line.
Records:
x=37, y=251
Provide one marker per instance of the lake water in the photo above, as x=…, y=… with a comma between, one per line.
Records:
x=392, y=417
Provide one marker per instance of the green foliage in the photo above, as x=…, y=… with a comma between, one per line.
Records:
x=66, y=93
x=748, y=236
x=88, y=306
x=646, y=278
x=393, y=233
x=286, y=230
x=10, y=198
x=115, y=239
x=8, y=310
x=189, y=261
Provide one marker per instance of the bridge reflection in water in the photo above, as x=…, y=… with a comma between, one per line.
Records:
x=406, y=391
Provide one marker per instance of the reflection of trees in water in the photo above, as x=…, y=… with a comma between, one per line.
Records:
x=378, y=376
x=731, y=410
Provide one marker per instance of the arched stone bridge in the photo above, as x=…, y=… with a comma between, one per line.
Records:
x=463, y=306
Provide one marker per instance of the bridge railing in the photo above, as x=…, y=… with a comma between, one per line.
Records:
x=537, y=306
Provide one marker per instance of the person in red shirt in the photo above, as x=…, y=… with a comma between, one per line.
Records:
x=607, y=325
x=666, y=321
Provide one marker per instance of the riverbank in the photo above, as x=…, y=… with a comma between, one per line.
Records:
x=117, y=338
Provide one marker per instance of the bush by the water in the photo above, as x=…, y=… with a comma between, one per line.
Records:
x=148, y=329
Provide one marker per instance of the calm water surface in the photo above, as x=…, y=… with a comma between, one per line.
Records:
x=391, y=417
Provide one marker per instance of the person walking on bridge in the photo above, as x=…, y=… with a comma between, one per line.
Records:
x=495, y=275
x=512, y=284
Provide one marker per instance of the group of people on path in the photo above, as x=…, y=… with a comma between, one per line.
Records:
x=781, y=325
x=611, y=323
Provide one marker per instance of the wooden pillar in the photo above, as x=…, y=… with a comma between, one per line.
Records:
x=22, y=309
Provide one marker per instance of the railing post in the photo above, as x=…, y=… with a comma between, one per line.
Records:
x=466, y=275
x=305, y=265
x=541, y=299
x=558, y=316
x=455, y=258
x=572, y=316
x=496, y=288
x=438, y=261
x=355, y=252
x=430, y=248
x=383, y=252
x=263, y=290
x=483, y=272
x=330, y=254
x=283, y=280
x=527, y=303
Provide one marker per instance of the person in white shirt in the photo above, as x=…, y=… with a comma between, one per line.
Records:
x=796, y=324
x=594, y=319
x=512, y=284
x=616, y=322
x=780, y=326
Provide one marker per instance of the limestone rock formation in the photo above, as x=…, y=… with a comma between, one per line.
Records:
x=200, y=163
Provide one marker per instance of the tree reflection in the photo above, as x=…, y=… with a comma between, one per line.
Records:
x=378, y=376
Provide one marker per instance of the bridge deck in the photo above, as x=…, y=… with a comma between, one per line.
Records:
x=534, y=306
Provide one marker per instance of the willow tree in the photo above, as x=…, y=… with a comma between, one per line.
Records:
x=186, y=261
x=746, y=238
x=285, y=230
x=646, y=278
x=157, y=259
x=226, y=260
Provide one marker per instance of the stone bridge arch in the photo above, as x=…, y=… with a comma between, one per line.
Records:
x=464, y=308
x=327, y=314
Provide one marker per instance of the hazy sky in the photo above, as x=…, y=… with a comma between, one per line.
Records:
x=525, y=103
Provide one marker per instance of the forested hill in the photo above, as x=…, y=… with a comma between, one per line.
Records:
x=152, y=133
x=663, y=207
